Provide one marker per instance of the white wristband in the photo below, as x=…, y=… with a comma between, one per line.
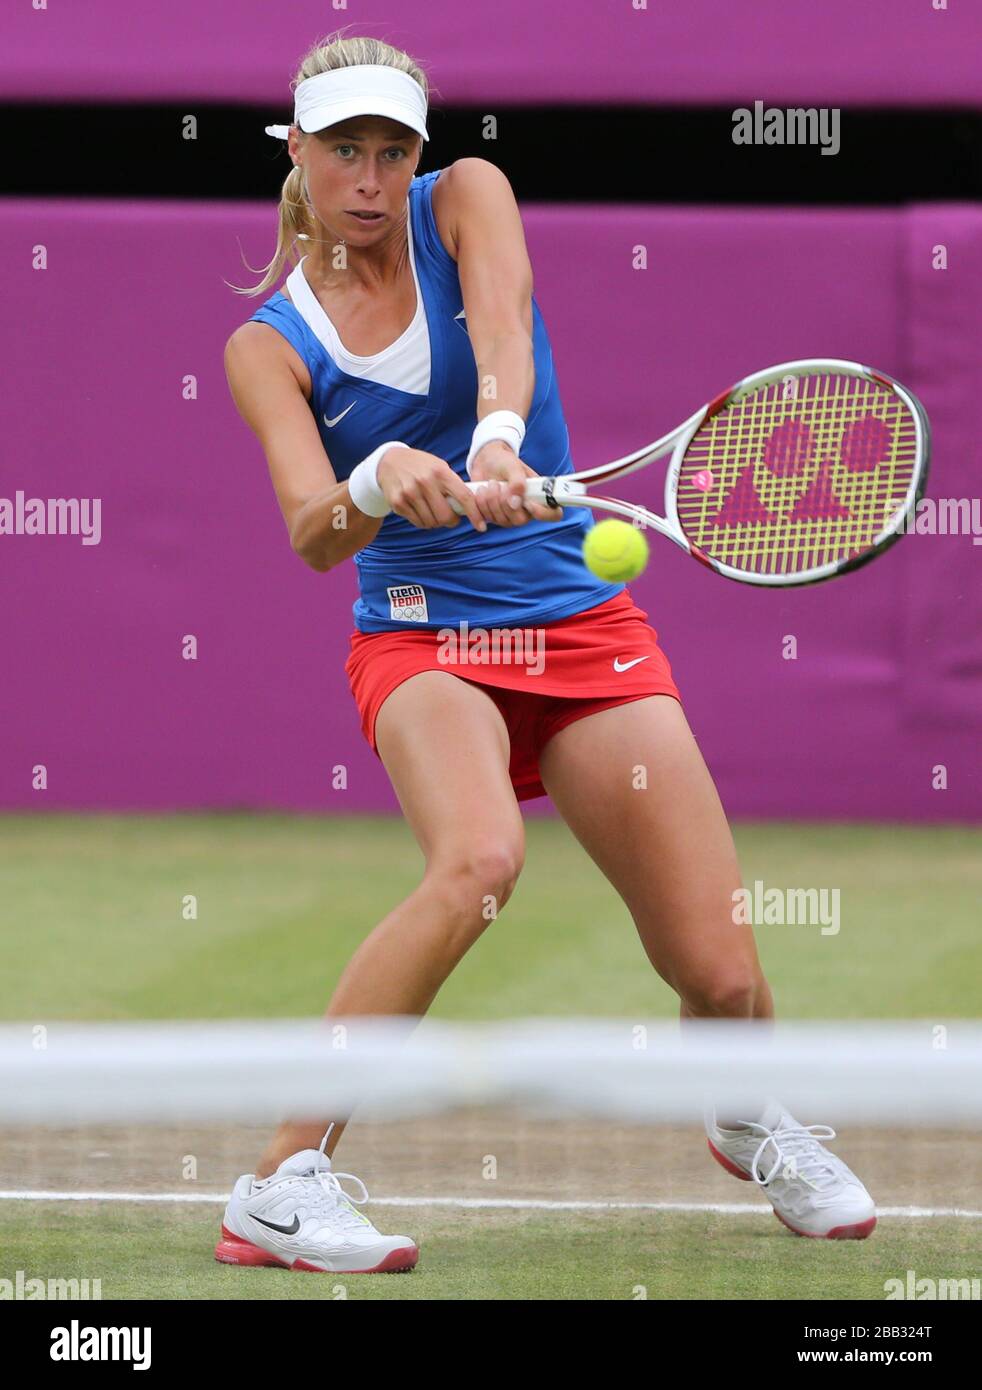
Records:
x=363, y=486
x=500, y=424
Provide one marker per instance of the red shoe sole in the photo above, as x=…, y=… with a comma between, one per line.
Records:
x=233, y=1250
x=727, y=1163
x=857, y=1232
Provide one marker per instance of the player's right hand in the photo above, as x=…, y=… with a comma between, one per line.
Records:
x=416, y=485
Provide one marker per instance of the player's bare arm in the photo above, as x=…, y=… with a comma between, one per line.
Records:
x=325, y=526
x=496, y=286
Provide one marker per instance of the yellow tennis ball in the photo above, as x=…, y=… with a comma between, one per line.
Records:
x=615, y=551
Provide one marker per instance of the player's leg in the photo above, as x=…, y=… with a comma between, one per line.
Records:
x=633, y=787
x=445, y=747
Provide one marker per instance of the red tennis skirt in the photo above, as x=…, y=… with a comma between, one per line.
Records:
x=541, y=679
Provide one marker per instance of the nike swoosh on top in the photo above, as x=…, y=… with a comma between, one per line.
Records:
x=290, y=1230
x=331, y=423
x=627, y=664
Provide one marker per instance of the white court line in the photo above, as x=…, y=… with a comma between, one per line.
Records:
x=476, y=1203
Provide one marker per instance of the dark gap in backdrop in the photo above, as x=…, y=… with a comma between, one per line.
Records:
x=550, y=154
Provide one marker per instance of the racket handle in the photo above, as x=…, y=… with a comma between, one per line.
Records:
x=536, y=490
x=455, y=505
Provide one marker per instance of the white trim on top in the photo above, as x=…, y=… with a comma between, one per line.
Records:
x=318, y=321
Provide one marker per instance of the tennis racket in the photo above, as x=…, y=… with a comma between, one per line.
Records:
x=795, y=474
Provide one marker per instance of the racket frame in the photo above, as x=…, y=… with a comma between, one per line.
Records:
x=571, y=489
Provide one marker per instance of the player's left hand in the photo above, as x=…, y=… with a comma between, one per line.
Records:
x=503, y=502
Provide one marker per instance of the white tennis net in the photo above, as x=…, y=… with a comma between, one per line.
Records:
x=924, y=1072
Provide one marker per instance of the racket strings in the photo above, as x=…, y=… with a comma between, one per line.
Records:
x=798, y=474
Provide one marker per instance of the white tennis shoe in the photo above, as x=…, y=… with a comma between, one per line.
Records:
x=302, y=1218
x=812, y=1191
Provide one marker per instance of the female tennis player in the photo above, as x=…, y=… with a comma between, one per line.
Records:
x=405, y=354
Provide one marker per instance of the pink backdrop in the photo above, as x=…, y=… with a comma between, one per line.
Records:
x=888, y=679
x=886, y=52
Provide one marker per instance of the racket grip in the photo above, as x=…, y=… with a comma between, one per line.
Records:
x=455, y=505
x=561, y=489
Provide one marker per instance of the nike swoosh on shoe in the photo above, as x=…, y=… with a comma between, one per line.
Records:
x=290, y=1230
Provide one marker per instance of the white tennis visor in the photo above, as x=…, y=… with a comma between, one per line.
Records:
x=365, y=89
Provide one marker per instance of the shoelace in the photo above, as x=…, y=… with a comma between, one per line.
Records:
x=799, y=1145
x=337, y=1200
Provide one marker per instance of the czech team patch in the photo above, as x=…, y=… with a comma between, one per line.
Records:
x=407, y=603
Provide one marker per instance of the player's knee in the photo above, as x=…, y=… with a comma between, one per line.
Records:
x=481, y=877
x=492, y=869
x=725, y=992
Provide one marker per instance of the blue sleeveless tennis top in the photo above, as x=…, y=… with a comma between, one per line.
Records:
x=409, y=577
